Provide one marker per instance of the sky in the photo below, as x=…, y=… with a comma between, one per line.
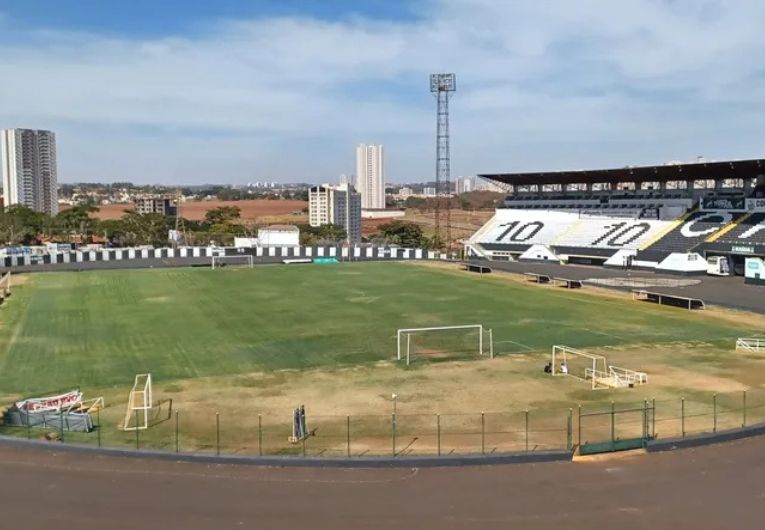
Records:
x=191, y=92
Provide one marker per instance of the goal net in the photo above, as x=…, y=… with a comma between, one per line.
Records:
x=139, y=404
x=444, y=342
x=245, y=260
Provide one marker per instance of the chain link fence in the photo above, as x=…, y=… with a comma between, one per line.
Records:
x=405, y=434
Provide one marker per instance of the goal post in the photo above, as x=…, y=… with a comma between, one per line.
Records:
x=577, y=363
x=139, y=404
x=245, y=260
x=468, y=338
x=5, y=285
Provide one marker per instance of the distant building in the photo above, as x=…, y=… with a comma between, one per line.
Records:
x=345, y=179
x=429, y=192
x=370, y=175
x=161, y=204
x=405, y=192
x=279, y=236
x=339, y=205
x=464, y=184
x=30, y=176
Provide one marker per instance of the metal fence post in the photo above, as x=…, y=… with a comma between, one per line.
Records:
x=570, y=430
x=348, y=434
x=613, y=426
x=29, y=426
x=137, y=435
x=579, y=427
x=714, y=412
x=645, y=419
x=393, y=432
x=98, y=431
x=527, y=429
x=217, y=433
x=682, y=416
x=653, y=418
x=177, y=431
x=260, y=436
x=61, y=422
x=743, y=408
x=483, y=434
x=438, y=433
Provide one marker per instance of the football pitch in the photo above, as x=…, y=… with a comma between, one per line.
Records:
x=94, y=329
x=242, y=342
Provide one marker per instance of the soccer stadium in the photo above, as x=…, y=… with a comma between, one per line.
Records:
x=362, y=351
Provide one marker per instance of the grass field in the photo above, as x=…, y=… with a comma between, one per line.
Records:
x=244, y=340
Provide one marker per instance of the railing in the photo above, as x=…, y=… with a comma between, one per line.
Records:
x=756, y=345
x=410, y=433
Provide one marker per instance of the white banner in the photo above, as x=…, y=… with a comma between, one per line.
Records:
x=51, y=402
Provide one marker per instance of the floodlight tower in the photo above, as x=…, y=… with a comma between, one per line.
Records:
x=442, y=86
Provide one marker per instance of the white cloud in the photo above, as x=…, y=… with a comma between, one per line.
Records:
x=540, y=85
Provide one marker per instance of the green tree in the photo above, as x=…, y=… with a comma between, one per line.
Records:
x=403, y=233
x=223, y=214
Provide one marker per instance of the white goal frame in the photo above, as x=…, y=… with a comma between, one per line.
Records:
x=217, y=260
x=139, y=403
x=600, y=374
x=408, y=332
x=751, y=344
x=5, y=285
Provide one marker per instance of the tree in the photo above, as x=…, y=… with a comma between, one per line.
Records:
x=403, y=233
x=146, y=229
x=223, y=215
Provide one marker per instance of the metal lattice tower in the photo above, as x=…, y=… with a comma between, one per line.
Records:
x=442, y=86
x=180, y=225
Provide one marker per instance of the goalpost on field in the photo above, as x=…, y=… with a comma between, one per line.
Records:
x=468, y=338
x=139, y=404
x=242, y=260
x=593, y=368
x=752, y=344
x=5, y=286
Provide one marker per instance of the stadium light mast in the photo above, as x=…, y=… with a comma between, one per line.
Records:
x=442, y=86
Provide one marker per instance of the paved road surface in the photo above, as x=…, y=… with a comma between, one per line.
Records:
x=724, y=291
x=713, y=487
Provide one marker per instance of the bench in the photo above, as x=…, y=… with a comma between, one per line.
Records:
x=567, y=283
x=668, y=299
x=480, y=269
x=537, y=278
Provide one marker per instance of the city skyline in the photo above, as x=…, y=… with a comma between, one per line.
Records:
x=228, y=93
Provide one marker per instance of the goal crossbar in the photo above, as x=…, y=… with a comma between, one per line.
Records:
x=408, y=332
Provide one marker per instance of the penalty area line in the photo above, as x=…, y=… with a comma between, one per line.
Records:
x=524, y=346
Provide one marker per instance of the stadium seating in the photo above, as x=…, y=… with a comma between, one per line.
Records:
x=515, y=230
x=749, y=229
x=689, y=233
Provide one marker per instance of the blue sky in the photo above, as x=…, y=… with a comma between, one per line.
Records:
x=181, y=91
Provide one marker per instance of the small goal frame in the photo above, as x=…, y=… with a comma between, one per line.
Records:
x=408, y=332
x=218, y=261
x=139, y=403
x=560, y=354
x=751, y=344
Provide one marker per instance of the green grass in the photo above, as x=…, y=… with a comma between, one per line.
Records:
x=96, y=329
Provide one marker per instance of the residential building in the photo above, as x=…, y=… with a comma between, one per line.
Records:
x=29, y=169
x=370, y=175
x=429, y=191
x=339, y=205
x=279, y=236
x=161, y=204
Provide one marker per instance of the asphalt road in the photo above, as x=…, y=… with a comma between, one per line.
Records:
x=723, y=291
x=713, y=487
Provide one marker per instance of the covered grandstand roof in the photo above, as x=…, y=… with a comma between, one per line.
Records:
x=692, y=171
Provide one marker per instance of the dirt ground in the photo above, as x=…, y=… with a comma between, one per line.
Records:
x=252, y=210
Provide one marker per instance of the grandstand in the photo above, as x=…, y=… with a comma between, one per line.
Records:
x=666, y=217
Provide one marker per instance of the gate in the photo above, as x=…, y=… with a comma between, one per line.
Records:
x=616, y=429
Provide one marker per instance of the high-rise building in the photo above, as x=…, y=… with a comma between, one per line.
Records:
x=370, y=175
x=29, y=169
x=161, y=204
x=338, y=205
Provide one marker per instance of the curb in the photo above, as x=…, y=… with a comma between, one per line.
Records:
x=292, y=461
